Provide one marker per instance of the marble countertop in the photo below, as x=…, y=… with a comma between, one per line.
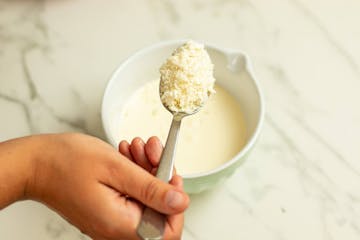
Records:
x=302, y=181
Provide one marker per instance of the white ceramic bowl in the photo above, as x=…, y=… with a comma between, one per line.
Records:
x=232, y=70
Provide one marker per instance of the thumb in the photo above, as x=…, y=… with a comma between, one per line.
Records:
x=153, y=192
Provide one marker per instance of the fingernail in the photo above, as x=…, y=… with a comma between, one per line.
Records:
x=174, y=199
x=159, y=143
x=138, y=140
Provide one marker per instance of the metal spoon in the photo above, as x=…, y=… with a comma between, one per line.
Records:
x=152, y=224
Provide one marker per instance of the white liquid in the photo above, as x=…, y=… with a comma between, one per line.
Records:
x=207, y=139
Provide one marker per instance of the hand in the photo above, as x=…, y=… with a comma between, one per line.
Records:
x=100, y=191
x=148, y=157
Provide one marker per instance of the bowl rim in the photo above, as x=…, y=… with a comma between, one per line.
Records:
x=227, y=51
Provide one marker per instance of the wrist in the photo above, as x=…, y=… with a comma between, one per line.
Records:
x=17, y=157
x=39, y=176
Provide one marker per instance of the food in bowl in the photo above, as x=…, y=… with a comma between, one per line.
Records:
x=207, y=139
x=187, y=80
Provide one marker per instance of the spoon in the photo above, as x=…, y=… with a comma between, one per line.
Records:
x=152, y=224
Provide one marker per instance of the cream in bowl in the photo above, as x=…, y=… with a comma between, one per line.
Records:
x=213, y=142
x=207, y=139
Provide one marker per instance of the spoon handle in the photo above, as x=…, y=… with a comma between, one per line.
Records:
x=166, y=165
x=152, y=223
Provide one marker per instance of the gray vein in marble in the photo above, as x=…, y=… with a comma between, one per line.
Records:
x=238, y=2
x=300, y=157
x=274, y=232
x=354, y=202
x=35, y=11
x=326, y=234
x=197, y=5
x=23, y=106
x=34, y=94
x=82, y=236
x=219, y=4
x=325, y=193
x=78, y=124
x=169, y=7
x=55, y=229
x=29, y=81
x=42, y=28
x=164, y=12
x=190, y=232
x=321, y=140
x=354, y=198
x=337, y=46
x=27, y=44
x=165, y=7
x=281, y=77
x=238, y=200
x=355, y=228
x=266, y=189
x=13, y=39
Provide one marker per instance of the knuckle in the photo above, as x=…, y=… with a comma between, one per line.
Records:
x=110, y=231
x=150, y=191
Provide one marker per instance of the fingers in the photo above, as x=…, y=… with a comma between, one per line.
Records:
x=124, y=149
x=137, y=149
x=175, y=222
x=174, y=226
x=153, y=150
x=164, y=197
x=116, y=217
x=145, y=155
x=142, y=186
x=177, y=181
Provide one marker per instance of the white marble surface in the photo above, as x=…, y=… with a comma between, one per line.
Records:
x=303, y=179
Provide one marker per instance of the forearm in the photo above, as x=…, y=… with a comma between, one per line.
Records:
x=17, y=159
